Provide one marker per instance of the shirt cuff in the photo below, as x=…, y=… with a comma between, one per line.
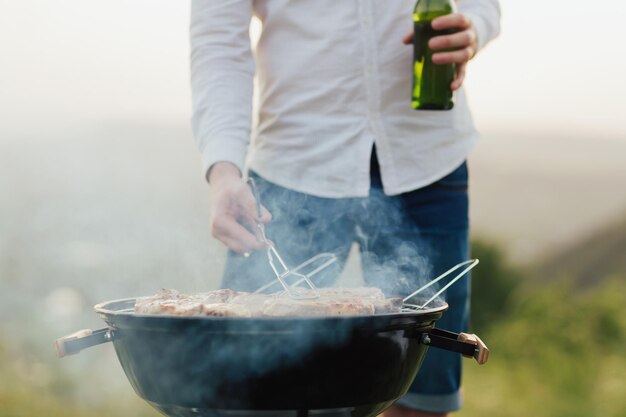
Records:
x=219, y=152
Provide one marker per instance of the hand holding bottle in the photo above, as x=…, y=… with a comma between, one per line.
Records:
x=463, y=44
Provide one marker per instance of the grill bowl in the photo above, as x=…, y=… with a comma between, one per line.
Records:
x=212, y=366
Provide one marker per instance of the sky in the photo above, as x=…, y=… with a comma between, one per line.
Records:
x=558, y=66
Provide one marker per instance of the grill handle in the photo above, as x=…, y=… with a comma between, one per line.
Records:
x=468, y=345
x=82, y=339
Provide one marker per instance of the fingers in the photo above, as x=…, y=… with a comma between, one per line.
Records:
x=266, y=216
x=251, y=225
x=245, y=199
x=455, y=57
x=408, y=38
x=452, y=21
x=457, y=40
x=460, y=76
x=234, y=235
x=460, y=46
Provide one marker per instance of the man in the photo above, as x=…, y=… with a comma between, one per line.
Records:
x=337, y=152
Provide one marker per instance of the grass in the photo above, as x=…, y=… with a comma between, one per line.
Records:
x=29, y=388
x=559, y=353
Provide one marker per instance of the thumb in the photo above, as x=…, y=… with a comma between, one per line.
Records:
x=408, y=38
x=249, y=204
x=261, y=214
x=266, y=216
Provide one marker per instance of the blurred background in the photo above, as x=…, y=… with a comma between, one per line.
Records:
x=102, y=197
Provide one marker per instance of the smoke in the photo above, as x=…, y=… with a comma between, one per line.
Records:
x=396, y=252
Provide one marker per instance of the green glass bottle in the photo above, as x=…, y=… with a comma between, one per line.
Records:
x=431, y=82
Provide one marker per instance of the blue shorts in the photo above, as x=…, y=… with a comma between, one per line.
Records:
x=403, y=240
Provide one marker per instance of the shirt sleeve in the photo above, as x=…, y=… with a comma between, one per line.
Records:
x=485, y=15
x=222, y=72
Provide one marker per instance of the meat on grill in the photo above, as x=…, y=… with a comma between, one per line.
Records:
x=230, y=303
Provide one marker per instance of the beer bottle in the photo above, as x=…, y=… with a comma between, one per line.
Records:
x=431, y=82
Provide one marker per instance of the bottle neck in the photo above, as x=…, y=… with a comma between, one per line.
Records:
x=430, y=9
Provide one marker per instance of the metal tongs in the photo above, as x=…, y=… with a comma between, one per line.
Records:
x=472, y=263
x=282, y=272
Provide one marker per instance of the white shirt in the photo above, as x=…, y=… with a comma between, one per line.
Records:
x=333, y=79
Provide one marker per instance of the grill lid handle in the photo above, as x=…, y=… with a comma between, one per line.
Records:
x=82, y=339
x=468, y=345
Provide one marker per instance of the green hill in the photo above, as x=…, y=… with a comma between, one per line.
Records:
x=589, y=261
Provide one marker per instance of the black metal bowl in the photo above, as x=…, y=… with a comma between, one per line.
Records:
x=213, y=366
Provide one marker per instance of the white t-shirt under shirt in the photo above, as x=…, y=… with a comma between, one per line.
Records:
x=333, y=79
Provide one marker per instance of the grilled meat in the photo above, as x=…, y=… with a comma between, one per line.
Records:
x=230, y=303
